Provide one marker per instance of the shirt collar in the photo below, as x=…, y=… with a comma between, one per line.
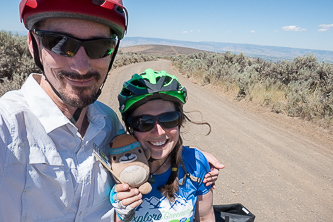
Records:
x=42, y=105
x=47, y=111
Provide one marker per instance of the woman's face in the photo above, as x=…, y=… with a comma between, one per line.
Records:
x=159, y=141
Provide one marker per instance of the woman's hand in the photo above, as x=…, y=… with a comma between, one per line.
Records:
x=125, y=200
x=215, y=166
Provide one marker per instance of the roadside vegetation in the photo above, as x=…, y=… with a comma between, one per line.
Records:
x=299, y=88
x=15, y=61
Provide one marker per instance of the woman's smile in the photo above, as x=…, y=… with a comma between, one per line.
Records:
x=158, y=143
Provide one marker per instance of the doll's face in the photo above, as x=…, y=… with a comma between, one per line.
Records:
x=130, y=163
x=128, y=157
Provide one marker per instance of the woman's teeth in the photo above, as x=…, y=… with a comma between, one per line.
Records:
x=160, y=143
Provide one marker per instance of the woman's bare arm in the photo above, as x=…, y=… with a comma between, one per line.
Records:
x=204, y=209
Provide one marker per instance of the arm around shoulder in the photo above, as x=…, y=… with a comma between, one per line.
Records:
x=215, y=166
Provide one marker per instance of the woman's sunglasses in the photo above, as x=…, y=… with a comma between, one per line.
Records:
x=145, y=123
x=68, y=46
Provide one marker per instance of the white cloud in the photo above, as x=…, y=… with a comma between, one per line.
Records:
x=252, y=31
x=190, y=31
x=293, y=28
x=325, y=27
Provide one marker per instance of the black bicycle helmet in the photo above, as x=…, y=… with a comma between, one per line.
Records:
x=147, y=86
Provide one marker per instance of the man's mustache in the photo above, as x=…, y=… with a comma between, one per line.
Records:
x=77, y=76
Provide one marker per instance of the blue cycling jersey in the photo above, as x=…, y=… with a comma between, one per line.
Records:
x=156, y=207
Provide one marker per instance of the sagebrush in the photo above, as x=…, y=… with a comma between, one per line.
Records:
x=299, y=88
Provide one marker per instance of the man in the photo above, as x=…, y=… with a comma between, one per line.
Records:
x=49, y=127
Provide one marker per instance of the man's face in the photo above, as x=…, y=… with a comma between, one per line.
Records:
x=77, y=78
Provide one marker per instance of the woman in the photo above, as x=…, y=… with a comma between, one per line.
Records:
x=151, y=105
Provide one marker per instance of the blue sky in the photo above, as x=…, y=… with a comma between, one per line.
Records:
x=289, y=23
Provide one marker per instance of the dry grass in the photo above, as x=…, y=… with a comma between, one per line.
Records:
x=267, y=96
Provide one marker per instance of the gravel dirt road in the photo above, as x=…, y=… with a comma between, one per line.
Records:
x=280, y=168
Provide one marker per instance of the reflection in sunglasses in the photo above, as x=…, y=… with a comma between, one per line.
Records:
x=65, y=45
x=145, y=123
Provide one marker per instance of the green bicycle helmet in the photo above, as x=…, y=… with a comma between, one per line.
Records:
x=147, y=86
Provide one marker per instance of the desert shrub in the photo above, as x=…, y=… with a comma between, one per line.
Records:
x=15, y=83
x=15, y=61
x=127, y=58
x=15, y=57
x=311, y=93
x=301, y=88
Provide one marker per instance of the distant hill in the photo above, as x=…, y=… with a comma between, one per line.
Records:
x=164, y=50
x=271, y=53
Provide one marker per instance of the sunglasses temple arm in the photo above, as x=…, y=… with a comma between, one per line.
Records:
x=36, y=52
x=113, y=57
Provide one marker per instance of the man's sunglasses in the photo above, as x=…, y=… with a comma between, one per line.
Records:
x=68, y=46
x=145, y=123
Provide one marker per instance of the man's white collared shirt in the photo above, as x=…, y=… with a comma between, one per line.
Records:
x=47, y=170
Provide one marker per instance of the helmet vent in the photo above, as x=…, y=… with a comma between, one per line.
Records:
x=167, y=80
x=98, y=2
x=138, y=83
x=119, y=9
x=126, y=92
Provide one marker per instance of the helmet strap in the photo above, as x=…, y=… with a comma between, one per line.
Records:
x=113, y=57
x=109, y=68
x=76, y=115
x=151, y=159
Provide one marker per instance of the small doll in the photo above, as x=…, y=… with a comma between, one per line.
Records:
x=129, y=162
